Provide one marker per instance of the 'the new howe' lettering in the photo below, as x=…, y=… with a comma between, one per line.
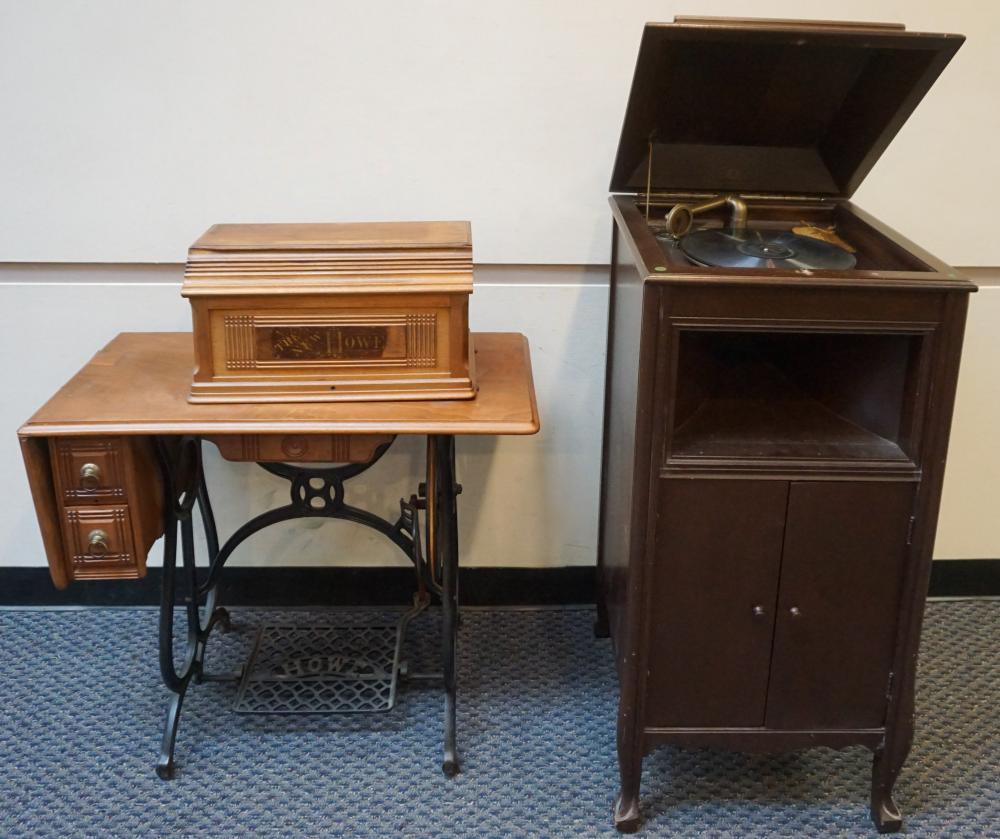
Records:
x=327, y=342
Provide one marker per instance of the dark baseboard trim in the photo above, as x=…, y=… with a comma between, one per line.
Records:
x=302, y=586
x=305, y=586
x=965, y=578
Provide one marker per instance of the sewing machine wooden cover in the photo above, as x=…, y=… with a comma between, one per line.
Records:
x=331, y=312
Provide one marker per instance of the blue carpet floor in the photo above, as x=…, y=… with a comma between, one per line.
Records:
x=81, y=709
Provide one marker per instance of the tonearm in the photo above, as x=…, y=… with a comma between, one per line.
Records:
x=681, y=216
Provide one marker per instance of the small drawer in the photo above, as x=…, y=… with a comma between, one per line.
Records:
x=99, y=542
x=89, y=470
x=301, y=448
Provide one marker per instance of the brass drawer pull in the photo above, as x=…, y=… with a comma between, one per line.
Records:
x=90, y=476
x=97, y=542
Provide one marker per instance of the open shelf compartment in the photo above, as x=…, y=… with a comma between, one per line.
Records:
x=802, y=396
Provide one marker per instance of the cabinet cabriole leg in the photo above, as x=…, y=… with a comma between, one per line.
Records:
x=885, y=813
x=627, y=815
x=889, y=758
x=626, y=812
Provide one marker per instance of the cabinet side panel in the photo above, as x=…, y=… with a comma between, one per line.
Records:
x=932, y=429
x=714, y=586
x=625, y=327
x=841, y=579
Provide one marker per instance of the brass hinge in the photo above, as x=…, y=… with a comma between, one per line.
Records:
x=909, y=530
x=888, y=687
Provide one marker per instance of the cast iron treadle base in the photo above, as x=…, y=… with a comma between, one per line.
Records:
x=323, y=669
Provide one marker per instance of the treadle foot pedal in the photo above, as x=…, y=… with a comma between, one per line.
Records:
x=323, y=669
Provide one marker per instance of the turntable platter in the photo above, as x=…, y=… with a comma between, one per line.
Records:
x=730, y=248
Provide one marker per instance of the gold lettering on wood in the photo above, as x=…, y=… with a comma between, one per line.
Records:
x=321, y=343
x=260, y=341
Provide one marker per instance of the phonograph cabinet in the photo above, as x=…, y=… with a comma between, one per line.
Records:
x=781, y=375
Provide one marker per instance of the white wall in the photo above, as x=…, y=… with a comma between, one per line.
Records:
x=130, y=127
x=970, y=510
x=527, y=500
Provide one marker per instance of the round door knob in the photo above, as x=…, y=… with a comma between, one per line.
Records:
x=97, y=541
x=758, y=611
x=90, y=476
x=795, y=611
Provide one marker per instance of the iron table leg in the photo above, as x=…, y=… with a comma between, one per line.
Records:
x=445, y=547
x=314, y=492
x=184, y=486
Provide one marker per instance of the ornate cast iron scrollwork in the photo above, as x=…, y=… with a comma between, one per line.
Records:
x=313, y=492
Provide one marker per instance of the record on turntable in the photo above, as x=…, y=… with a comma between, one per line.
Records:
x=746, y=248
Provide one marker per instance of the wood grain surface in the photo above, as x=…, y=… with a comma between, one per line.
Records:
x=139, y=383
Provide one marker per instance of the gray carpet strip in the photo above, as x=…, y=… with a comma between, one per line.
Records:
x=81, y=709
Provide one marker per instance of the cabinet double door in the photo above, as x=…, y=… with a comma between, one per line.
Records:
x=775, y=604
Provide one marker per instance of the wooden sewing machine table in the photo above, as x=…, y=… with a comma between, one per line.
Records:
x=114, y=462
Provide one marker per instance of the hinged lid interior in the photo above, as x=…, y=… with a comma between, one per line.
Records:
x=781, y=107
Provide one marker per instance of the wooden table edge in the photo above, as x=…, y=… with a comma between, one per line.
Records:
x=482, y=428
x=521, y=429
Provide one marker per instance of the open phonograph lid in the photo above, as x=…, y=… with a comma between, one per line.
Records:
x=758, y=106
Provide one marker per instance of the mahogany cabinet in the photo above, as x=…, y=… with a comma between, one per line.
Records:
x=789, y=588
x=775, y=433
x=772, y=472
